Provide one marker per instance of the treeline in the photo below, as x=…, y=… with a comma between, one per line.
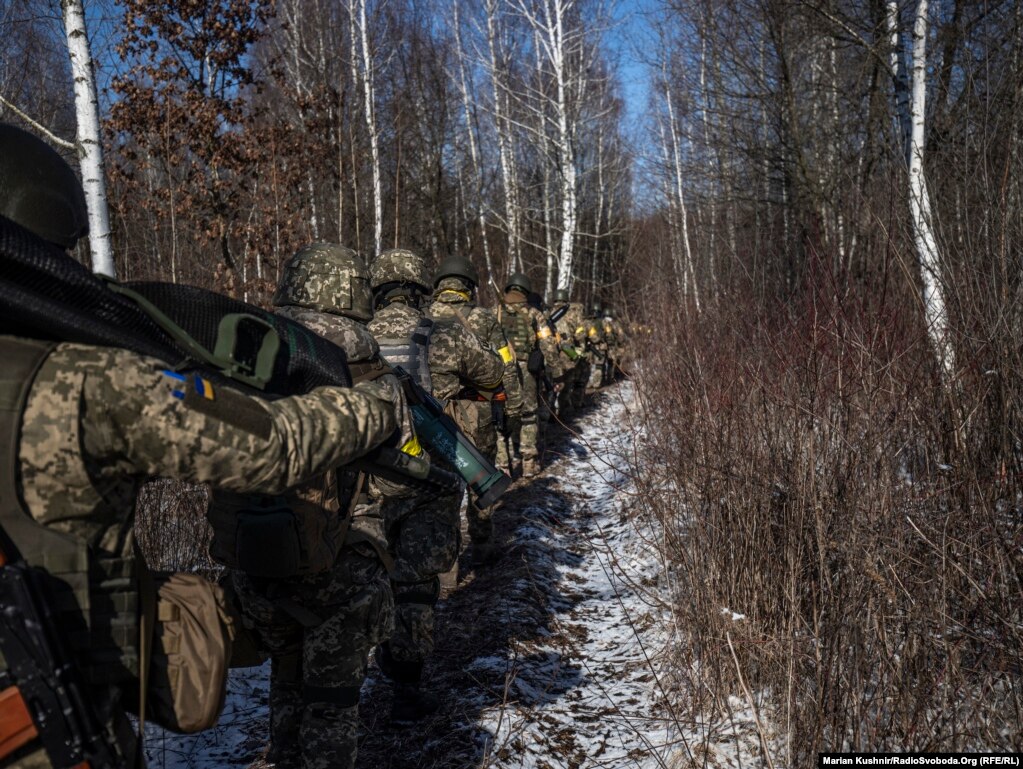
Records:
x=238, y=131
x=834, y=441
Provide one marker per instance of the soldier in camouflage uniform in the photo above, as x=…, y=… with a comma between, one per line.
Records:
x=455, y=297
x=596, y=347
x=82, y=426
x=319, y=652
x=530, y=337
x=572, y=337
x=424, y=533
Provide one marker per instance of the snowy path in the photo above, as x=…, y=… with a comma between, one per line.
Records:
x=546, y=659
x=587, y=695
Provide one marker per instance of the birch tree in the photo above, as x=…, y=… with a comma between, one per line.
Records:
x=90, y=140
x=912, y=111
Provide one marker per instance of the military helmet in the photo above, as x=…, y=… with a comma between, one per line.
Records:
x=520, y=281
x=327, y=277
x=456, y=267
x=561, y=295
x=399, y=265
x=39, y=190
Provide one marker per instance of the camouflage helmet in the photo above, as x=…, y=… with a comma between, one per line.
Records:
x=399, y=265
x=327, y=277
x=520, y=281
x=456, y=267
x=561, y=295
x=38, y=189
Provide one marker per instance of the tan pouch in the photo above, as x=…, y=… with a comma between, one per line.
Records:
x=190, y=653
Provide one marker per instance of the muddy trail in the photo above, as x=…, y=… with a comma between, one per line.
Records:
x=547, y=658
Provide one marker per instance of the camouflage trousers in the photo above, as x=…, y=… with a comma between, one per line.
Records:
x=582, y=378
x=425, y=536
x=319, y=631
x=529, y=436
x=476, y=421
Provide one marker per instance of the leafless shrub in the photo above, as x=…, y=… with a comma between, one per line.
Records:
x=812, y=474
x=171, y=526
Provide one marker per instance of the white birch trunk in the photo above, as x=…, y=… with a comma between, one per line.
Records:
x=470, y=126
x=371, y=128
x=504, y=140
x=90, y=141
x=920, y=207
x=680, y=199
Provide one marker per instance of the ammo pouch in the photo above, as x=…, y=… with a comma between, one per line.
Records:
x=535, y=364
x=274, y=537
x=189, y=631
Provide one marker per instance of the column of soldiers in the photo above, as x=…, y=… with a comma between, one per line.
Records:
x=81, y=426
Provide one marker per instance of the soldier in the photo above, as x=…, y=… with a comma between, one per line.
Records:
x=572, y=337
x=455, y=285
x=536, y=354
x=319, y=650
x=81, y=426
x=621, y=344
x=596, y=347
x=444, y=357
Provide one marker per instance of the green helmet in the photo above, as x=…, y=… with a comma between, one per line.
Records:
x=456, y=267
x=520, y=281
x=327, y=277
x=38, y=189
x=595, y=311
x=561, y=295
x=399, y=265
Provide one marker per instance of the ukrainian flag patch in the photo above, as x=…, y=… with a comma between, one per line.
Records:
x=204, y=388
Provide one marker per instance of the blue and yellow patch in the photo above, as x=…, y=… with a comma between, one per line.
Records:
x=202, y=387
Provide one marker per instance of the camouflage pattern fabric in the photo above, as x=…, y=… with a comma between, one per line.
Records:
x=425, y=532
x=353, y=600
x=458, y=358
x=475, y=419
x=100, y=420
x=425, y=538
x=318, y=668
x=512, y=311
x=326, y=277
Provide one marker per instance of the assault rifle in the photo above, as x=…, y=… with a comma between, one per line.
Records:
x=44, y=701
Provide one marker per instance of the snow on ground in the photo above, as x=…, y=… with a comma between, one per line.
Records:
x=554, y=657
x=588, y=695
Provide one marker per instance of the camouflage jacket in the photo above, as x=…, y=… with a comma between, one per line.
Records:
x=571, y=326
x=483, y=323
x=458, y=358
x=98, y=421
x=537, y=324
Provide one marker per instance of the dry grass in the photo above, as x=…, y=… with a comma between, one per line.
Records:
x=811, y=473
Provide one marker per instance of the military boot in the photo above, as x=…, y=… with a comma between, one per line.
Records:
x=530, y=467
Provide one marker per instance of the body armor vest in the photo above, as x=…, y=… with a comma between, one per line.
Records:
x=518, y=328
x=413, y=353
x=95, y=599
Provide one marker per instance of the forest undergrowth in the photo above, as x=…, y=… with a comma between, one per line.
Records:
x=844, y=529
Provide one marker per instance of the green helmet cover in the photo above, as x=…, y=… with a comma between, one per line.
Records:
x=327, y=277
x=561, y=295
x=456, y=267
x=521, y=281
x=39, y=190
x=399, y=265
